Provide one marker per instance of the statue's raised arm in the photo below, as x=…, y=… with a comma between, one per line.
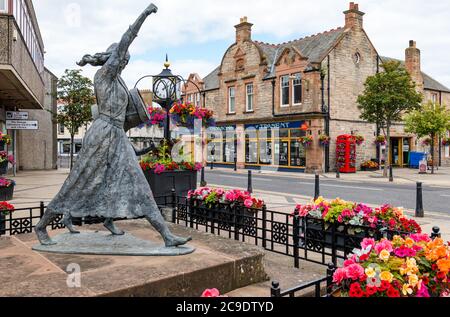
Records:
x=119, y=52
x=133, y=31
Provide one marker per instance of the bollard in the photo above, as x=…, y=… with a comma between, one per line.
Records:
x=275, y=290
x=235, y=164
x=391, y=174
x=212, y=165
x=419, y=201
x=317, y=187
x=250, y=183
x=330, y=274
x=203, y=181
x=338, y=172
x=436, y=233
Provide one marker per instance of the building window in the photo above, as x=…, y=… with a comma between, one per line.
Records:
x=434, y=98
x=249, y=97
x=231, y=100
x=197, y=100
x=357, y=58
x=4, y=6
x=284, y=91
x=61, y=129
x=297, y=90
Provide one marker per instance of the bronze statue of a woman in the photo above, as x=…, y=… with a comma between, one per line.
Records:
x=107, y=180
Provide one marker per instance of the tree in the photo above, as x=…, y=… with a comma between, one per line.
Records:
x=387, y=97
x=431, y=120
x=76, y=96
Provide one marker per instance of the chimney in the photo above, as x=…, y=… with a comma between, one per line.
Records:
x=412, y=65
x=353, y=17
x=243, y=31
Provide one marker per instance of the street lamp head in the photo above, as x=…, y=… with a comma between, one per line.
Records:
x=165, y=85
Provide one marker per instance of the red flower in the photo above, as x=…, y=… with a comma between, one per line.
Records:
x=393, y=293
x=385, y=285
x=425, y=280
x=371, y=290
x=441, y=276
x=356, y=291
x=211, y=293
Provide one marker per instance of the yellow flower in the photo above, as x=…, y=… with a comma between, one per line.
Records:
x=407, y=290
x=370, y=272
x=319, y=200
x=387, y=276
x=411, y=263
x=385, y=255
x=413, y=280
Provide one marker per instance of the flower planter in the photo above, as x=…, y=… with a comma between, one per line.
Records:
x=162, y=184
x=221, y=214
x=4, y=168
x=314, y=228
x=6, y=193
x=369, y=169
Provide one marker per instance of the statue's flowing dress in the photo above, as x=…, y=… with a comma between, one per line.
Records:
x=106, y=179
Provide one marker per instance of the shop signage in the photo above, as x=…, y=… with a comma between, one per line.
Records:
x=223, y=128
x=14, y=115
x=21, y=125
x=276, y=125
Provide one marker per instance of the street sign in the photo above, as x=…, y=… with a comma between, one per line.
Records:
x=14, y=115
x=21, y=125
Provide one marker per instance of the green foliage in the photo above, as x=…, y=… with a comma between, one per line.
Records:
x=75, y=93
x=388, y=95
x=431, y=120
x=336, y=210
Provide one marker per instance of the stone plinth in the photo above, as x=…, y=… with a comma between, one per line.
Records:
x=216, y=263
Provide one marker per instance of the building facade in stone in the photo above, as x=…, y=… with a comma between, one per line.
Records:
x=25, y=84
x=267, y=96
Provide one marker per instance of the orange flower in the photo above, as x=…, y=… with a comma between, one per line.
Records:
x=444, y=265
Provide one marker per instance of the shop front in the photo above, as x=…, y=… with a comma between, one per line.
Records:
x=277, y=145
x=222, y=145
x=400, y=147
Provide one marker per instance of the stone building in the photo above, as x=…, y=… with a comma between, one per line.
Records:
x=307, y=86
x=25, y=85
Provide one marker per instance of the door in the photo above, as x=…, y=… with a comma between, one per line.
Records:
x=396, y=152
x=405, y=150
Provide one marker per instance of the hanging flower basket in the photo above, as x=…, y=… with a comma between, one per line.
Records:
x=157, y=117
x=426, y=142
x=380, y=140
x=359, y=139
x=4, y=160
x=185, y=115
x=4, y=140
x=324, y=140
x=306, y=141
x=446, y=142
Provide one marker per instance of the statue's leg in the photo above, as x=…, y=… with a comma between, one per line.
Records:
x=67, y=221
x=41, y=228
x=109, y=224
x=157, y=221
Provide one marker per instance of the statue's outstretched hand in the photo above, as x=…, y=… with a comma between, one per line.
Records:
x=151, y=9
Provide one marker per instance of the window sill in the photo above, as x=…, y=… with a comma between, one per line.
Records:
x=247, y=112
x=231, y=113
x=297, y=104
x=285, y=106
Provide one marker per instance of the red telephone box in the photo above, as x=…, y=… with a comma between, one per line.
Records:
x=346, y=153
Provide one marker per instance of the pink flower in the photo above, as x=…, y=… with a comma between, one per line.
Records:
x=211, y=293
x=339, y=276
x=418, y=237
x=368, y=243
x=220, y=191
x=347, y=263
x=423, y=292
x=355, y=272
x=384, y=245
x=248, y=203
x=231, y=196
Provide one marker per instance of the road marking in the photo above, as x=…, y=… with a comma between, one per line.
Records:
x=305, y=183
x=445, y=195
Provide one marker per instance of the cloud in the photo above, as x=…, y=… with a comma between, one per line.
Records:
x=72, y=28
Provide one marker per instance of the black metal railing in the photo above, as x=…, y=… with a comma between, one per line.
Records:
x=316, y=285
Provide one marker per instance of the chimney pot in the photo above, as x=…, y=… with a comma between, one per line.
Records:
x=353, y=17
x=412, y=43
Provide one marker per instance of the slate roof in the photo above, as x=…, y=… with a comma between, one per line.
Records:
x=428, y=82
x=212, y=80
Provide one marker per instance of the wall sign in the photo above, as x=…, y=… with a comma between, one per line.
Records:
x=14, y=115
x=21, y=125
x=276, y=125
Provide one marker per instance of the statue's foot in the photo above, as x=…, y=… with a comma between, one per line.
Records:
x=43, y=236
x=67, y=222
x=109, y=224
x=174, y=241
